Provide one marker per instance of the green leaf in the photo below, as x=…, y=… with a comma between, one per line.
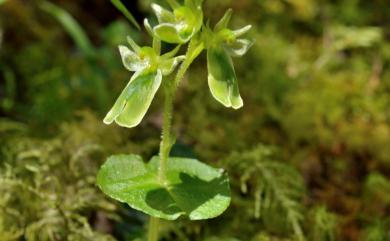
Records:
x=119, y=5
x=71, y=26
x=191, y=188
x=222, y=78
x=134, y=101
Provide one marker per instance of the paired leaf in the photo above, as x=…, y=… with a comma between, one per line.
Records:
x=134, y=101
x=222, y=78
x=191, y=188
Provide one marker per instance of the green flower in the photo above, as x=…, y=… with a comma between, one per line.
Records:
x=181, y=24
x=223, y=43
x=149, y=67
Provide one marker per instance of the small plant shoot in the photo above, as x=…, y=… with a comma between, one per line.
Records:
x=176, y=120
x=169, y=187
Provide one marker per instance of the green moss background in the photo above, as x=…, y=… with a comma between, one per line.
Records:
x=308, y=156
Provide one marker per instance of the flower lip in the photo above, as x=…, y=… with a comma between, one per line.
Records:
x=135, y=99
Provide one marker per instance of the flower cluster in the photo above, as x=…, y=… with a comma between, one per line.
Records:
x=179, y=26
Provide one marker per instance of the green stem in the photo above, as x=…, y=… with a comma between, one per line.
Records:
x=165, y=148
x=166, y=139
x=194, y=49
x=153, y=229
x=166, y=142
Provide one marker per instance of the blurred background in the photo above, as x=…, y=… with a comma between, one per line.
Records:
x=308, y=156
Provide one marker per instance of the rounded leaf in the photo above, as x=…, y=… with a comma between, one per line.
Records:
x=190, y=188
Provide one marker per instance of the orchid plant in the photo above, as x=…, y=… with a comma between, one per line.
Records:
x=168, y=187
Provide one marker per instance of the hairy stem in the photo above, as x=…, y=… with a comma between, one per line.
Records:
x=194, y=49
x=165, y=148
x=167, y=140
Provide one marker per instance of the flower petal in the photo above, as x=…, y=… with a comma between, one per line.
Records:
x=167, y=66
x=168, y=33
x=148, y=27
x=239, y=32
x=133, y=44
x=162, y=14
x=223, y=23
x=172, y=53
x=130, y=59
x=239, y=47
x=222, y=78
x=135, y=99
